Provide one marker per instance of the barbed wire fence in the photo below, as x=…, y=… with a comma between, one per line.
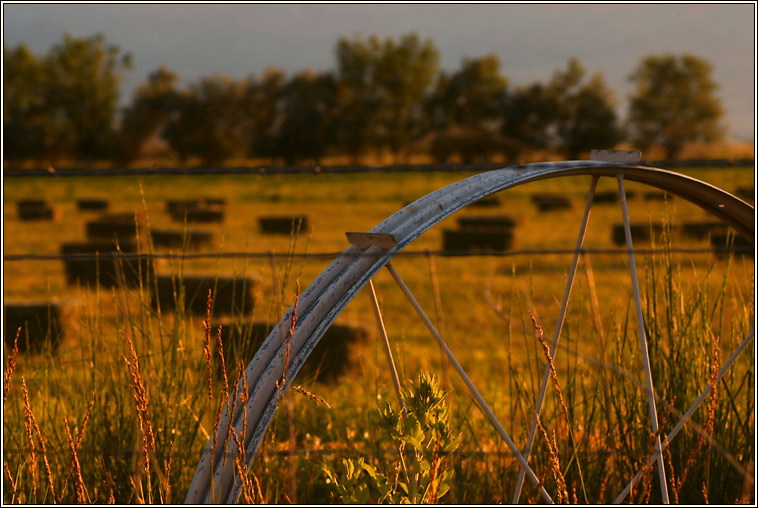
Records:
x=330, y=255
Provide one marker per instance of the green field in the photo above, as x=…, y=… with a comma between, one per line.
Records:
x=695, y=304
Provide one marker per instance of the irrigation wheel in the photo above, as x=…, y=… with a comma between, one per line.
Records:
x=327, y=296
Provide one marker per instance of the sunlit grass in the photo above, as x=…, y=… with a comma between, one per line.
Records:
x=485, y=303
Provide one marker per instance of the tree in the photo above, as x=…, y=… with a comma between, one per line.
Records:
x=565, y=114
x=211, y=122
x=358, y=99
x=262, y=105
x=83, y=78
x=382, y=86
x=530, y=117
x=473, y=96
x=674, y=103
x=154, y=104
x=306, y=129
x=24, y=105
x=586, y=116
x=403, y=75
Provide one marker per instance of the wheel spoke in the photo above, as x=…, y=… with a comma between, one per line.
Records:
x=686, y=417
x=556, y=337
x=643, y=342
x=387, y=349
x=487, y=411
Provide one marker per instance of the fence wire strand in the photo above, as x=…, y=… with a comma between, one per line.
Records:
x=331, y=255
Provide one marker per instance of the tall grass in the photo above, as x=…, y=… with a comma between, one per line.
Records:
x=124, y=414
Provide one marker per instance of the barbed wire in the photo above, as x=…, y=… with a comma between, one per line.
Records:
x=331, y=255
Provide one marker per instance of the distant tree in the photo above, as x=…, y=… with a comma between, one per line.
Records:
x=83, y=77
x=586, y=116
x=154, y=104
x=262, y=106
x=382, y=86
x=306, y=129
x=403, y=75
x=566, y=114
x=211, y=123
x=359, y=101
x=674, y=103
x=530, y=116
x=473, y=96
x=25, y=108
x=63, y=104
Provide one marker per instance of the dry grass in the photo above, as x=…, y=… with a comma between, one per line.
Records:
x=139, y=394
x=207, y=344
x=176, y=360
x=81, y=496
x=31, y=424
x=10, y=367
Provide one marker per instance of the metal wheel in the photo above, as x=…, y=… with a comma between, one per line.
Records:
x=326, y=297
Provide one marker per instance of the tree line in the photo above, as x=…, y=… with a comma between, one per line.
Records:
x=385, y=96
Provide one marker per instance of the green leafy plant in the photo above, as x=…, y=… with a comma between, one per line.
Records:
x=424, y=439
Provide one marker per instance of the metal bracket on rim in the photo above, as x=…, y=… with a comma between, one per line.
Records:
x=363, y=241
x=622, y=156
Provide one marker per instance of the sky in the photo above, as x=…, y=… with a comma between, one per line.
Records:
x=532, y=41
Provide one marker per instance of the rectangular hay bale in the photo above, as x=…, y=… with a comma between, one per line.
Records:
x=642, y=232
x=489, y=222
x=41, y=324
x=231, y=295
x=101, y=269
x=330, y=359
x=92, y=204
x=285, y=224
x=548, y=202
x=204, y=213
x=487, y=240
x=175, y=238
x=35, y=209
x=123, y=226
x=726, y=242
x=701, y=229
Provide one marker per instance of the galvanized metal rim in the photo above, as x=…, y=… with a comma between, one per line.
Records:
x=330, y=292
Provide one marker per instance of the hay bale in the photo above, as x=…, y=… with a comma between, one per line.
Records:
x=482, y=239
x=486, y=202
x=486, y=222
x=642, y=232
x=36, y=209
x=549, y=202
x=41, y=324
x=231, y=295
x=606, y=197
x=701, y=229
x=101, y=269
x=200, y=213
x=745, y=192
x=657, y=196
x=330, y=359
x=285, y=224
x=183, y=205
x=123, y=226
x=180, y=206
x=726, y=242
x=174, y=238
x=92, y=204
x=215, y=201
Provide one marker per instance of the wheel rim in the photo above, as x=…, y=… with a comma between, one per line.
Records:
x=335, y=287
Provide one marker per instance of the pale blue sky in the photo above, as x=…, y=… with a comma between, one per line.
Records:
x=531, y=40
